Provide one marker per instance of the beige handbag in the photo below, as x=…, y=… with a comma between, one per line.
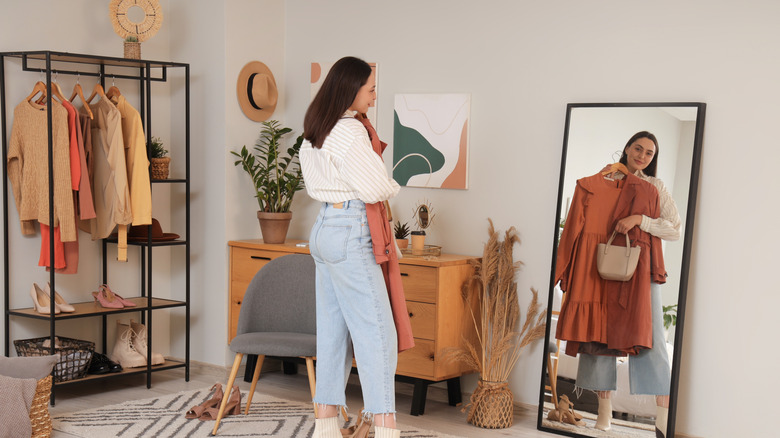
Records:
x=616, y=262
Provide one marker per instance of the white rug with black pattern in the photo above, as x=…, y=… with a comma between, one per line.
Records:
x=164, y=417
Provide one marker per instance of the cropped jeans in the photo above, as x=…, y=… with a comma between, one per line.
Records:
x=353, y=311
x=649, y=371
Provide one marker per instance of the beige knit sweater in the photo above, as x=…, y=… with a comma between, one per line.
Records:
x=28, y=168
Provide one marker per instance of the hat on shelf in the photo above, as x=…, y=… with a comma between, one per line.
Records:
x=139, y=233
x=256, y=91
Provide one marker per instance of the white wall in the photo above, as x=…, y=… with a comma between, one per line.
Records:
x=521, y=62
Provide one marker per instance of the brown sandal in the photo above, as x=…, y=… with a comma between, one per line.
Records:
x=214, y=400
x=233, y=407
x=362, y=426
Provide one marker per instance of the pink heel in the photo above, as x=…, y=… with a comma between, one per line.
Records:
x=107, y=290
x=107, y=301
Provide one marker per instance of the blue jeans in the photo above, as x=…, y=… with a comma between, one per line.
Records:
x=353, y=311
x=648, y=371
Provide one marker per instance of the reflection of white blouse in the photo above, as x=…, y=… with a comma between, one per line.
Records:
x=668, y=225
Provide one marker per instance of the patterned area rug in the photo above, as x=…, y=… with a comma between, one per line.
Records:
x=619, y=429
x=164, y=417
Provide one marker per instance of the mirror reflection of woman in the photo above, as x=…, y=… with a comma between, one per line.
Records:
x=650, y=369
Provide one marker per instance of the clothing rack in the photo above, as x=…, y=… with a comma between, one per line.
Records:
x=146, y=72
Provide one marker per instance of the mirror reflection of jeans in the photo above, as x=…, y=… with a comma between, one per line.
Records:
x=353, y=309
x=649, y=371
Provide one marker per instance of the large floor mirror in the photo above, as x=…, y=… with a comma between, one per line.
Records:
x=584, y=371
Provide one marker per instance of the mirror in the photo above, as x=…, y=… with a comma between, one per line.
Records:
x=595, y=135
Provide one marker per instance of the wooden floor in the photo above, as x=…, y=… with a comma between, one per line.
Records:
x=439, y=416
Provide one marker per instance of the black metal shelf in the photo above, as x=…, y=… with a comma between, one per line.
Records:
x=49, y=63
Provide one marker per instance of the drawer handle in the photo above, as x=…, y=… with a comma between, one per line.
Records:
x=404, y=274
x=411, y=315
x=264, y=258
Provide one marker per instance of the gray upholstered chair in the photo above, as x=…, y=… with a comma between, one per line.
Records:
x=277, y=318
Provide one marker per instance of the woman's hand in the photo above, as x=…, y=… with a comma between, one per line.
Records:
x=628, y=223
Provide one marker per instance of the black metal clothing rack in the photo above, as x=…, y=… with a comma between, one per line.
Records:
x=146, y=72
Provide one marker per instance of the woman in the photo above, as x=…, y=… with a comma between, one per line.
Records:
x=649, y=370
x=353, y=310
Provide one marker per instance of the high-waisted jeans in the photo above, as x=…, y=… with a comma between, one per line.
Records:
x=353, y=310
x=649, y=371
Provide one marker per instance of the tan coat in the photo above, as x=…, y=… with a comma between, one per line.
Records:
x=28, y=168
x=136, y=161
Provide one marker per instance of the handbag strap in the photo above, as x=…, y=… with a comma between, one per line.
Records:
x=612, y=237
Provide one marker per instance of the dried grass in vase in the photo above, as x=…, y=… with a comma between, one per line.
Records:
x=498, y=343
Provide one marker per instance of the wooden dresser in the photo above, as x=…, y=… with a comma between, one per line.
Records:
x=432, y=287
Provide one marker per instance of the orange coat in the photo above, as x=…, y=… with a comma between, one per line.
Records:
x=385, y=254
x=616, y=315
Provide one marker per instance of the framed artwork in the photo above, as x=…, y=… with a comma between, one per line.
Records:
x=430, y=140
x=319, y=70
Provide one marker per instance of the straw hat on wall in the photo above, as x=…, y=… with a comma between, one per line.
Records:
x=256, y=91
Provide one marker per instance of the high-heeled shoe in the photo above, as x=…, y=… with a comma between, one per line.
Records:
x=233, y=407
x=106, y=300
x=108, y=291
x=214, y=400
x=41, y=301
x=64, y=305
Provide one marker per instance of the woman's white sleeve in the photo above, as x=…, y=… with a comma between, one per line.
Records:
x=668, y=225
x=365, y=171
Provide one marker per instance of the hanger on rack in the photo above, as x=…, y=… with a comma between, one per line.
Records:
x=97, y=91
x=40, y=87
x=78, y=91
x=113, y=92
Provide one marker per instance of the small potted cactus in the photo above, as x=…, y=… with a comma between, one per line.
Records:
x=160, y=162
x=401, y=234
x=132, y=47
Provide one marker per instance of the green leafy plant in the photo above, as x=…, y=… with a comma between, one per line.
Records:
x=156, y=148
x=670, y=315
x=131, y=39
x=276, y=175
x=401, y=230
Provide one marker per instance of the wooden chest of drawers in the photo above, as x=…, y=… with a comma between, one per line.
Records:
x=432, y=287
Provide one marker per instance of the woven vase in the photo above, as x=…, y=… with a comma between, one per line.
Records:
x=132, y=50
x=160, y=167
x=491, y=405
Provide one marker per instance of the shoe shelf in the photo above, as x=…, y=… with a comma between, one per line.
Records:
x=45, y=66
x=91, y=308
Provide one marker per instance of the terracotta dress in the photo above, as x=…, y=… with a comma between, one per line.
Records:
x=600, y=316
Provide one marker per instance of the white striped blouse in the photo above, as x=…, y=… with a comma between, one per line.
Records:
x=667, y=226
x=346, y=167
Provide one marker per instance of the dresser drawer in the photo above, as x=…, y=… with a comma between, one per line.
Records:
x=420, y=283
x=423, y=319
x=417, y=361
x=245, y=263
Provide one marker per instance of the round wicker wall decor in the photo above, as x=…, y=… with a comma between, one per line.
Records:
x=125, y=27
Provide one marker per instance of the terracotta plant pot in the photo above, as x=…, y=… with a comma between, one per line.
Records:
x=402, y=243
x=274, y=226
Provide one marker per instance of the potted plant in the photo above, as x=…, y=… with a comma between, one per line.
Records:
x=500, y=336
x=401, y=232
x=160, y=161
x=276, y=176
x=132, y=47
x=670, y=319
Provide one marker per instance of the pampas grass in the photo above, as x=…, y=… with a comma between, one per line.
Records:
x=498, y=342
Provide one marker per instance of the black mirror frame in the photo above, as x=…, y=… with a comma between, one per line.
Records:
x=693, y=190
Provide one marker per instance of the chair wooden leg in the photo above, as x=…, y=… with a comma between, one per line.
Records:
x=231, y=380
x=553, y=382
x=255, y=376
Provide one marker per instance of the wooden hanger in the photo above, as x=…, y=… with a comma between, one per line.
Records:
x=616, y=167
x=39, y=87
x=77, y=91
x=113, y=92
x=97, y=91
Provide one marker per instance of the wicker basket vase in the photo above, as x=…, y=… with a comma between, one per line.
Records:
x=132, y=50
x=160, y=167
x=39, y=410
x=491, y=405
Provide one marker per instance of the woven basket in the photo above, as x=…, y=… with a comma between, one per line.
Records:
x=132, y=50
x=75, y=355
x=39, y=411
x=491, y=405
x=160, y=167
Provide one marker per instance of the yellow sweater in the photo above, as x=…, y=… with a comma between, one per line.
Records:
x=136, y=161
x=28, y=168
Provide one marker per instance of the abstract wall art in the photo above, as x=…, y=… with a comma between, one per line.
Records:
x=430, y=140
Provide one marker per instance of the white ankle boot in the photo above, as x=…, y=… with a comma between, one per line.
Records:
x=661, y=417
x=124, y=351
x=326, y=428
x=604, y=421
x=386, y=432
x=140, y=343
